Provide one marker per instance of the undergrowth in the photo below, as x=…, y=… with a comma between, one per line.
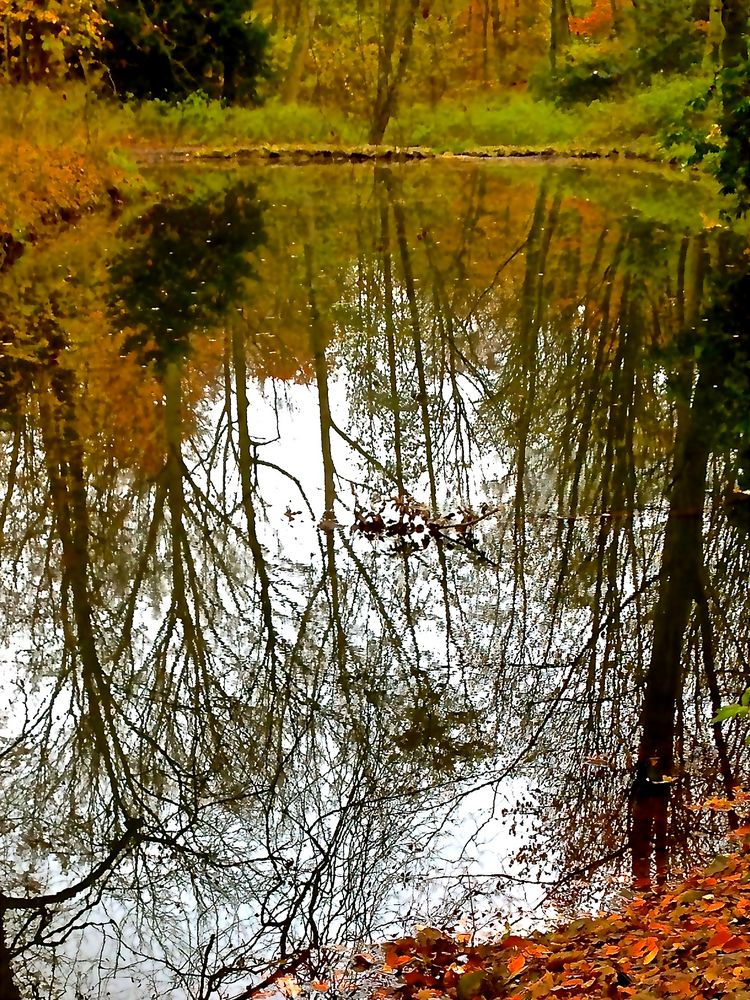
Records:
x=72, y=116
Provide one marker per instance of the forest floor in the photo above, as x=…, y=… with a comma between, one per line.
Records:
x=689, y=940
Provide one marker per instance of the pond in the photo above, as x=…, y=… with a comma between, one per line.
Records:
x=362, y=528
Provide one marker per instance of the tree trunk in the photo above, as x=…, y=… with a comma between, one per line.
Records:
x=390, y=77
x=294, y=71
x=616, y=17
x=8, y=986
x=497, y=37
x=714, y=36
x=558, y=30
x=734, y=15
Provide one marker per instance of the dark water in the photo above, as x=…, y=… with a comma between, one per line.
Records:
x=360, y=530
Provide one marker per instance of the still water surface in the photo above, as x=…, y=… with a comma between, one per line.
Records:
x=360, y=529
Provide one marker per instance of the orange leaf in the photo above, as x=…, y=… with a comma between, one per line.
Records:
x=646, y=944
x=513, y=941
x=682, y=986
x=720, y=938
x=516, y=964
x=736, y=943
x=416, y=977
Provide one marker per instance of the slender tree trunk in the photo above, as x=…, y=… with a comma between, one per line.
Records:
x=734, y=17
x=390, y=77
x=558, y=30
x=714, y=36
x=23, y=53
x=388, y=302
x=486, y=41
x=317, y=343
x=497, y=38
x=6, y=32
x=616, y=17
x=8, y=986
x=295, y=69
x=246, y=470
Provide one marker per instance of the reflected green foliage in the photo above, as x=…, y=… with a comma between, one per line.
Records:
x=186, y=265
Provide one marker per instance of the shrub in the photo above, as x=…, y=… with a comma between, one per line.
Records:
x=587, y=73
x=514, y=121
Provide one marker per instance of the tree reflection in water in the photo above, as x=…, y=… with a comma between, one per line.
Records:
x=242, y=732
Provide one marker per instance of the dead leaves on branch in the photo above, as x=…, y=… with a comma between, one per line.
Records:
x=405, y=520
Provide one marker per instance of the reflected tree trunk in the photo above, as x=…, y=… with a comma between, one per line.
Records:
x=680, y=585
x=317, y=342
x=65, y=468
x=389, y=308
x=246, y=467
x=8, y=987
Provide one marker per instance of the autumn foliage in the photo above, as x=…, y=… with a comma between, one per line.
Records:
x=596, y=24
x=690, y=941
x=693, y=941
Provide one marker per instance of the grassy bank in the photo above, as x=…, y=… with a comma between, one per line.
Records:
x=57, y=161
x=641, y=122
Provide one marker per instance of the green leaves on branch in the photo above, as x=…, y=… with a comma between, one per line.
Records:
x=730, y=711
x=728, y=137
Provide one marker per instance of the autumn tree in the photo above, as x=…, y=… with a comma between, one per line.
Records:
x=40, y=40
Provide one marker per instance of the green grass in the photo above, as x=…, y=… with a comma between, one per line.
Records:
x=517, y=120
x=199, y=121
x=68, y=115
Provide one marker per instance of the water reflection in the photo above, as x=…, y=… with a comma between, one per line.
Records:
x=237, y=729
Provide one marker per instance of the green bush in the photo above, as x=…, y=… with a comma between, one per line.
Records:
x=654, y=113
x=587, y=73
